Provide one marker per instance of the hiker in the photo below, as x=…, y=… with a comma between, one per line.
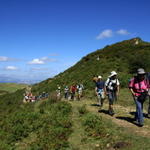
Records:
x=73, y=90
x=33, y=99
x=58, y=91
x=95, y=78
x=112, y=90
x=66, y=92
x=139, y=86
x=99, y=90
x=26, y=98
x=44, y=95
x=80, y=91
x=30, y=96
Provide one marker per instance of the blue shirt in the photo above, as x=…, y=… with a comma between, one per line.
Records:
x=100, y=84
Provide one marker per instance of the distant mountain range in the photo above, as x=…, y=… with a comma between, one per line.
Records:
x=6, y=79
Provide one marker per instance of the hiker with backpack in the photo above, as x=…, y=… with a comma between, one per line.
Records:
x=66, y=92
x=73, y=90
x=95, y=78
x=112, y=90
x=99, y=90
x=139, y=87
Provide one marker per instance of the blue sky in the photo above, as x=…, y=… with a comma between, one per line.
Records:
x=41, y=38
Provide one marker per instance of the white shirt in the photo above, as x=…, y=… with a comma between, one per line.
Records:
x=111, y=82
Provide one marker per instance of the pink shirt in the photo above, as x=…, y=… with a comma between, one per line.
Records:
x=139, y=86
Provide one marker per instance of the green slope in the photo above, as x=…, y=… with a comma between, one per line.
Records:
x=58, y=125
x=10, y=87
x=124, y=57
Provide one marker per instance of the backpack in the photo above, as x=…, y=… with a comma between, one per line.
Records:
x=114, y=85
x=148, y=77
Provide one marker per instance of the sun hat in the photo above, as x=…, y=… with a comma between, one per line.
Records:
x=141, y=71
x=99, y=77
x=113, y=73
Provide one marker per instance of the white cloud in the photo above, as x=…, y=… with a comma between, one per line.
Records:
x=123, y=32
x=36, y=61
x=11, y=68
x=4, y=58
x=41, y=61
x=105, y=34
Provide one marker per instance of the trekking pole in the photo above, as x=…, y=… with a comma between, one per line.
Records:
x=149, y=105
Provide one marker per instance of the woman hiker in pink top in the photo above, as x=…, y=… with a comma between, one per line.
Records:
x=139, y=89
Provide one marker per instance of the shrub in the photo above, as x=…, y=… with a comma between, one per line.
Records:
x=82, y=110
x=94, y=125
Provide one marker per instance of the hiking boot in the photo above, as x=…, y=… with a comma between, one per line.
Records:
x=140, y=124
x=111, y=112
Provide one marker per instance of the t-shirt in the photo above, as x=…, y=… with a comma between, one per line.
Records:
x=100, y=84
x=73, y=88
x=66, y=90
x=111, y=84
x=138, y=86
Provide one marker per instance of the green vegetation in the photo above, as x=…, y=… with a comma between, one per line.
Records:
x=49, y=122
x=52, y=124
x=99, y=131
x=10, y=87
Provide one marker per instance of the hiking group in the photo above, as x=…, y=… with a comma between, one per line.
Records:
x=29, y=97
x=74, y=92
x=110, y=88
x=139, y=86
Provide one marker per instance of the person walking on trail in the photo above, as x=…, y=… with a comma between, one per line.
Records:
x=58, y=92
x=95, y=78
x=99, y=90
x=73, y=90
x=139, y=86
x=80, y=90
x=112, y=90
x=66, y=92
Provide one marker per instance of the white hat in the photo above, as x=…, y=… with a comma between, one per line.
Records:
x=99, y=77
x=113, y=73
x=141, y=71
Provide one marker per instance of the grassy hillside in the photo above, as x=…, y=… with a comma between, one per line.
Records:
x=73, y=125
x=77, y=125
x=10, y=87
x=124, y=57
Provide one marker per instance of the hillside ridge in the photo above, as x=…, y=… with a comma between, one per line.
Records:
x=124, y=57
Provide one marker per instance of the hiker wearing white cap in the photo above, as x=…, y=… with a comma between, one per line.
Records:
x=99, y=90
x=58, y=92
x=112, y=90
x=139, y=87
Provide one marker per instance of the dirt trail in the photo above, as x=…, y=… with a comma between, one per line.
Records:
x=123, y=118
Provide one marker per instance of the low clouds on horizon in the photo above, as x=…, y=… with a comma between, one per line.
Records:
x=110, y=33
x=11, y=68
x=40, y=61
x=6, y=59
